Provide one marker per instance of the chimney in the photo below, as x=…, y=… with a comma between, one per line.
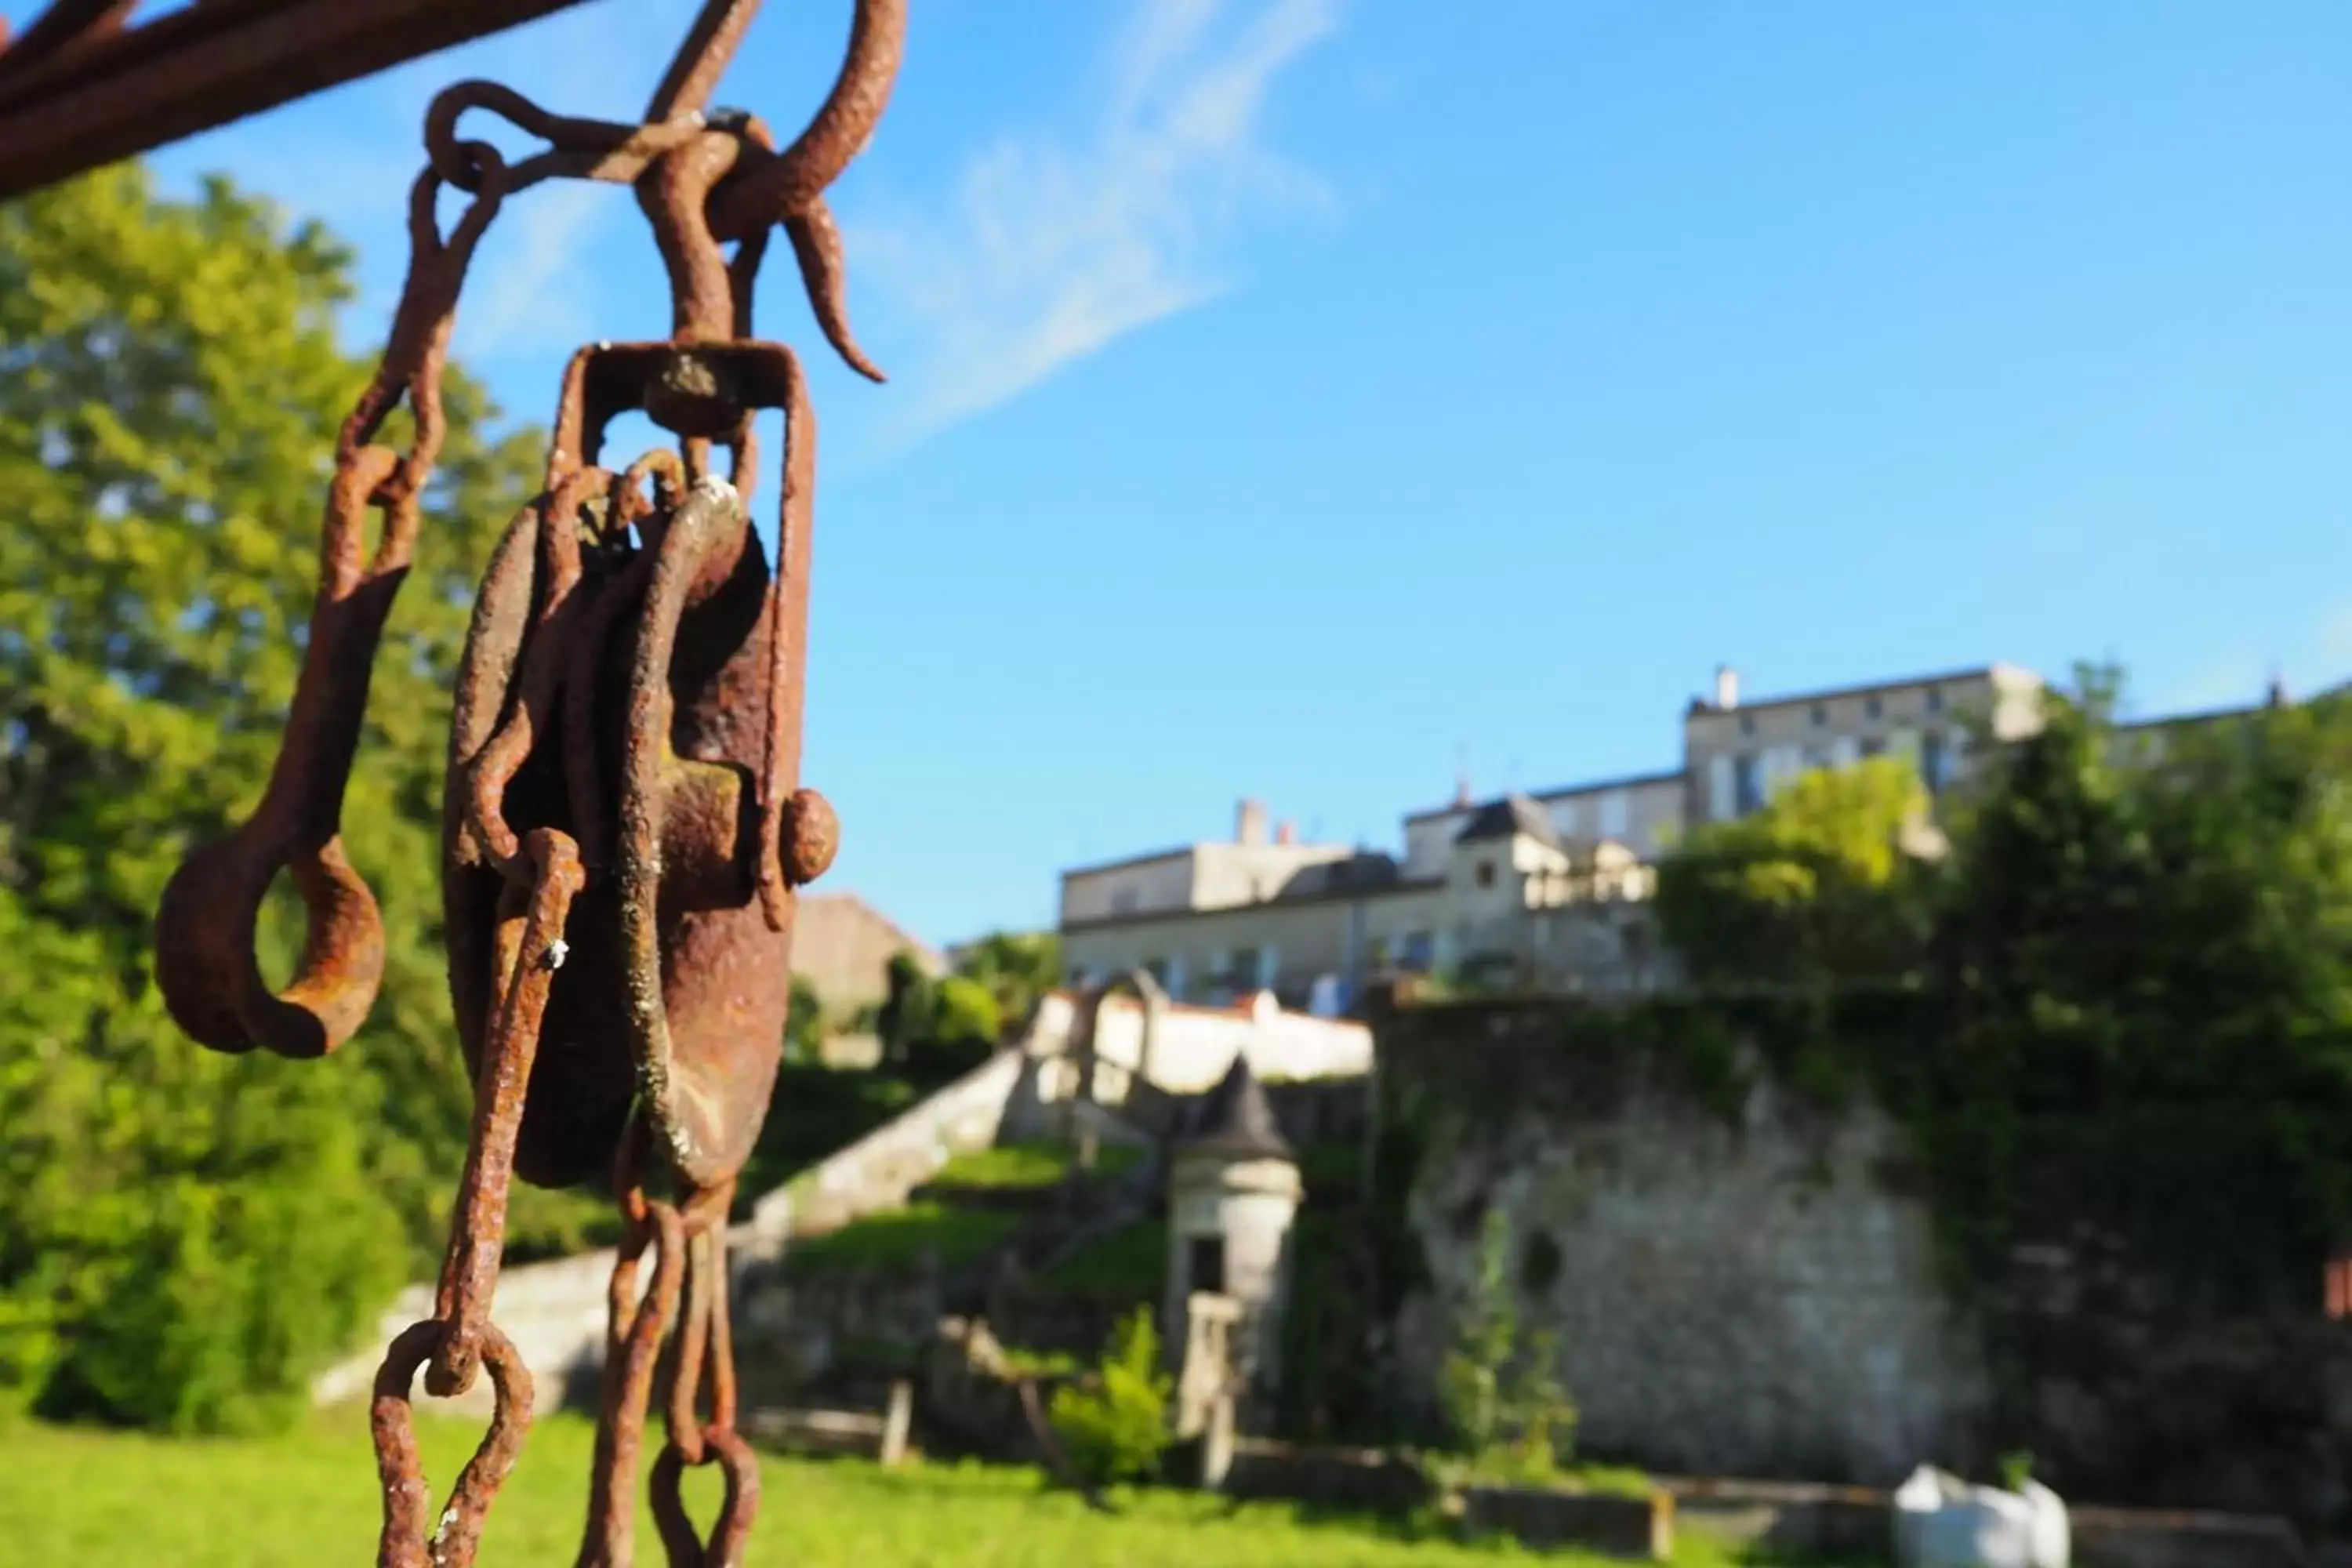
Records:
x=1462, y=793
x=1726, y=688
x=2276, y=696
x=1287, y=833
x=1249, y=823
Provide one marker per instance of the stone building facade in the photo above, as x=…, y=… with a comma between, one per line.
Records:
x=1547, y=889
x=843, y=946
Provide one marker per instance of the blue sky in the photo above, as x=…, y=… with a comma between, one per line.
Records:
x=1306, y=398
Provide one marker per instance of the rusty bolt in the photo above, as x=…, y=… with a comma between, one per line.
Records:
x=691, y=396
x=811, y=837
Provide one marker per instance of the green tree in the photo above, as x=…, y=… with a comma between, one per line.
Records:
x=1817, y=885
x=908, y=1008
x=2145, y=957
x=963, y=1029
x=964, y=1013
x=170, y=388
x=1016, y=968
x=806, y=1024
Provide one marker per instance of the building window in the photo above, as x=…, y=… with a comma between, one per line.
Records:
x=1935, y=700
x=1204, y=1263
x=1821, y=714
x=1873, y=706
x=1816, y=757
x=1612, y=815
x=1873, y=746
x=1122, y=901
x=1241, y=969
x=1485, y=873
x=1932, y=761
x=1747, y=783
x=1748, y=723
x=1158, y=969
x=1419, y=952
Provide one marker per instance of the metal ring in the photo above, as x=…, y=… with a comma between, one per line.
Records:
x=410, y=1539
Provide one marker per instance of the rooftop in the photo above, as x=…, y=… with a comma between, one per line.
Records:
x=1235, y=1121
x=1563, y=792
x=1699, y=705
x=1513, y=817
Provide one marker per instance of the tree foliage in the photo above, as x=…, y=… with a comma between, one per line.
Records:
x=1017, y=969
x=1817, y=884
x=2146, y=957
x=805, y=1025
x=1114, y=1421
x=187, y=1235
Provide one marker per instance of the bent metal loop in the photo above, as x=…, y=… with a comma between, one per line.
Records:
x=623, y=828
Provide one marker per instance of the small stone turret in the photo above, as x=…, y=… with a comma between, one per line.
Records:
x=1233, y=1192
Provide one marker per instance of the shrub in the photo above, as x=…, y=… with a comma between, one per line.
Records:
x=1508, y=1413
x=1114, y=1422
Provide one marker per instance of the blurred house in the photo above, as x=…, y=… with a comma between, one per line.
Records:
x=1547, y=890
x=843, y=946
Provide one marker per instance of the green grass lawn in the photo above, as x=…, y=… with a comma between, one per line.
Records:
x=1132, y=1261
x=1040, y=1164
x=88, y=1496
x=896, y=1238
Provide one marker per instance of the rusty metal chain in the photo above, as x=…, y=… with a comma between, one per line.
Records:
x=622, y=789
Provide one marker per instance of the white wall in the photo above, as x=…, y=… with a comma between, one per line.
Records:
x=1195, y=1045
x=1162, y=882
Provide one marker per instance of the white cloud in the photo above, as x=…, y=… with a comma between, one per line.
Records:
x=1048, y=251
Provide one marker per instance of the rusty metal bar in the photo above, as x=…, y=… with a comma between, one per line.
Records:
x=64, y=26
x=86, y=101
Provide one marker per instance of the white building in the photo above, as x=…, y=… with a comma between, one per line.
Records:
x=1548, y=888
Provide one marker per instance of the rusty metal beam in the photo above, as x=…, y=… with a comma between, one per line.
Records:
x=92, y=95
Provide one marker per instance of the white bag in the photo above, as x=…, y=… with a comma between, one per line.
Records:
x=2051, y=1539
x=1941, y=1521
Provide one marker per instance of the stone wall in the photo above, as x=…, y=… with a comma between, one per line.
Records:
x=1193, y=1046
x=794, y=1333
x=879, y=1170
x=555, y=1312
x=1740, y=1299
x=1744, y=1281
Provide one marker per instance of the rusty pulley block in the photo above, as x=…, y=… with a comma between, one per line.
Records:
x=632, y=680
x=623, y=824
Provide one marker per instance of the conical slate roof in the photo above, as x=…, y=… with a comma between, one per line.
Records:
x=1513, y=815
x=1235, y=1121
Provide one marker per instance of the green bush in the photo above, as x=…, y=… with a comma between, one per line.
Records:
x=1508, y=1414
x=233, y=1245
x=963, y=1013
x=805, y=1025
x=1114, y=1422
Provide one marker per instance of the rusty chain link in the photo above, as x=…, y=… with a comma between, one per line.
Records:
x=622, y=783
